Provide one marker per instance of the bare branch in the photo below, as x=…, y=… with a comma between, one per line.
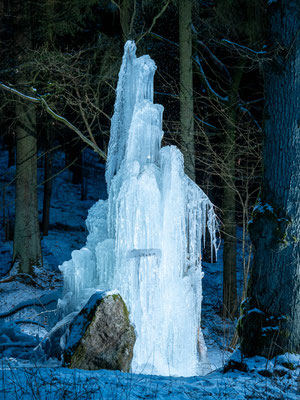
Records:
x=215, y=59
x=243, y=47
x=197, y=59
x=42, y=101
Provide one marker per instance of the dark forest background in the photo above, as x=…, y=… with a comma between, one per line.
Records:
x=58, y=70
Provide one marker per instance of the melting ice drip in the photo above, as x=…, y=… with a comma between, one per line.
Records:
x=145, y=240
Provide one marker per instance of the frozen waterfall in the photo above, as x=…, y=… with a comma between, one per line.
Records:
x=146, y=239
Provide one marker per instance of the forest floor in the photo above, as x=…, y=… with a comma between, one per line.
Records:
x=23, y=376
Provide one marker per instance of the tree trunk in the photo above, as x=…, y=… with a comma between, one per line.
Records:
x=229, y=206
x=77, y=169
x=270, y=322
x=47, y=193
x=27, y=244
x=2, y=8
x=84, y=187
x=186, y=86
x=11, y=149
x=47, y=180
x=74, y=160
x=129, y=17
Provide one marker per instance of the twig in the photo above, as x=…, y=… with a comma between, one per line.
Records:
x=154, y=21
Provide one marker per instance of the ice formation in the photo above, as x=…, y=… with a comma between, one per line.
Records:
x=145, y=240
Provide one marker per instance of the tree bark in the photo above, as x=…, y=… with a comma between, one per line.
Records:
x=229, y=201
x=84, y=188
x=47, y=193
x=270, y=322
x=11, y=149
x=27, y=244
x=76, y=168
x=47, y=180
x=186, y=86
x=128, y=10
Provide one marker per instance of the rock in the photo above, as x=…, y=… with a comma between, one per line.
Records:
x=236, y=362
x=101, y=336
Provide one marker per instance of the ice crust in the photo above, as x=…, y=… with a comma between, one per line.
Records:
x=146, y=239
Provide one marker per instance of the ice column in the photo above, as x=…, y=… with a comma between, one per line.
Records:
x=146, y=239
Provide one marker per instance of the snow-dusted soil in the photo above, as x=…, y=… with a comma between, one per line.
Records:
x=40, y=379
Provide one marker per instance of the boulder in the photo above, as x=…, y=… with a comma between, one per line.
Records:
x=101, y=336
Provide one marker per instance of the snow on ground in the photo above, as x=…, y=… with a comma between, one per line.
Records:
x=40, y=379
x=264, y=380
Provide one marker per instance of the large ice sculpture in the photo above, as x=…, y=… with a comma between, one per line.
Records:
x=145, y=240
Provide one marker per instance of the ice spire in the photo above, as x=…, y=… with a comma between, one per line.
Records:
x=146, y=239
x=134, y=85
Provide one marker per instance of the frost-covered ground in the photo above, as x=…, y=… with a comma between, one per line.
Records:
x=40, y=379
x=263, y=380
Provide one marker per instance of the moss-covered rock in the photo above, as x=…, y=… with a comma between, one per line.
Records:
x=101, y=336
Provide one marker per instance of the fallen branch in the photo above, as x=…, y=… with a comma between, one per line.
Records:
x=28, y=322
x=25, y=304
x=17, y=344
